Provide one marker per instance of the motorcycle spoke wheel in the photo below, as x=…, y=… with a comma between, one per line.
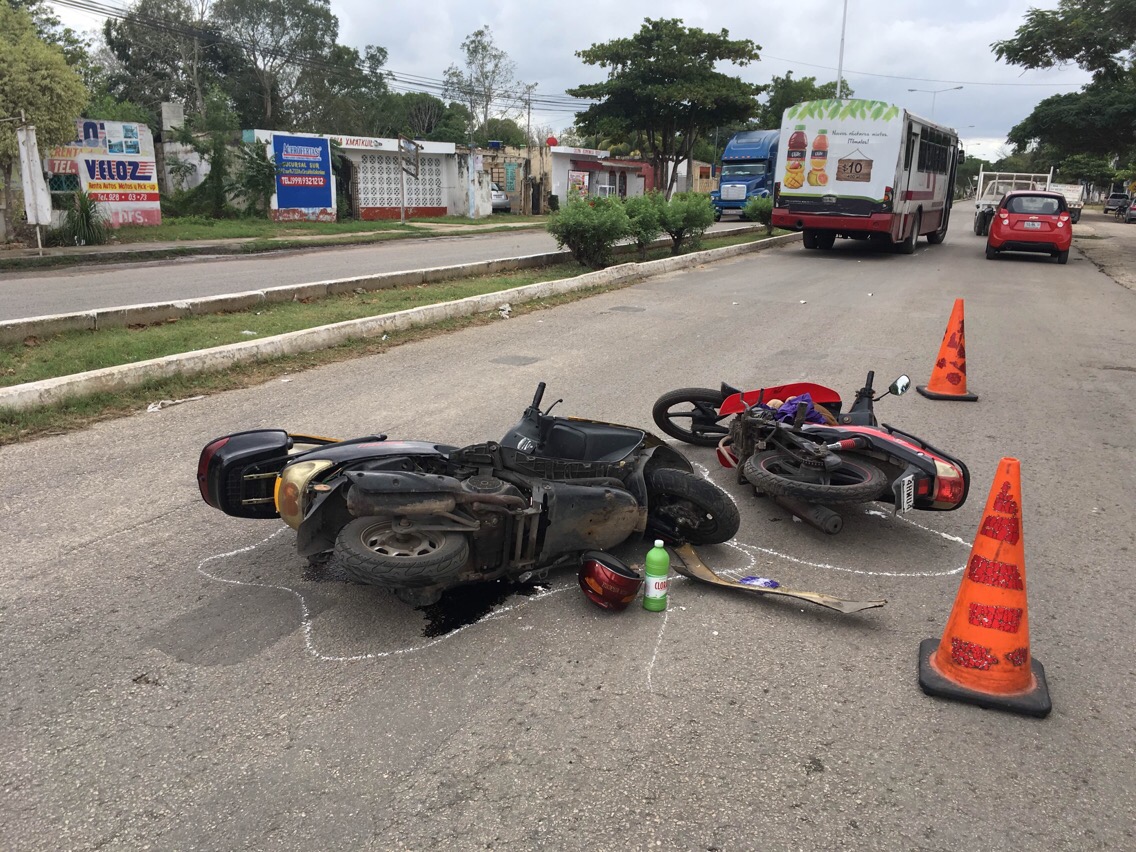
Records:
x=854, y=481
x=691, y=416
x=698, y=510
x=374, y=550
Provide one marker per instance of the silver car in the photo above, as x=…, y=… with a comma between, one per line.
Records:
x=499, y=198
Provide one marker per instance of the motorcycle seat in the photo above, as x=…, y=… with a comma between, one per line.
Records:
x=589, y=442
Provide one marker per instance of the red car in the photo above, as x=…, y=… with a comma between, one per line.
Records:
x=1028, y=220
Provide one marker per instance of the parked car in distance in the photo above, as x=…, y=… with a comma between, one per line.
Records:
x=1114, y=201
x=1031, y=221
x=500, y=199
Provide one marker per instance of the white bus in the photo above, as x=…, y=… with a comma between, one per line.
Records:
x=864, y=170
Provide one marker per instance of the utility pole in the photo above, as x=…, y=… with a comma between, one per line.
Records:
x=526, y=193
x=840, y=61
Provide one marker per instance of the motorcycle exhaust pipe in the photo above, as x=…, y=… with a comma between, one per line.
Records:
x=813, y=514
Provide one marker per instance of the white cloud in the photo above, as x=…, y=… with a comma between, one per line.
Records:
x=890, y=46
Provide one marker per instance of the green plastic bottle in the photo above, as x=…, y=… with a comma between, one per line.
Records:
x=656, y=568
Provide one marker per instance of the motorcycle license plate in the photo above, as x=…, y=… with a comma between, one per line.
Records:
x=905, y=494
x=1032, y=226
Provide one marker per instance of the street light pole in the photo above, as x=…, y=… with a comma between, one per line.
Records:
x=840, y=60
x=933, y=92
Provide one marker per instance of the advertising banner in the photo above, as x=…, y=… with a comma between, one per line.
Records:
x=303, y=173
x=114, y=161
x=842, y=149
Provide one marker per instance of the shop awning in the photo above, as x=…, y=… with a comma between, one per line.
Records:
x=588, y=165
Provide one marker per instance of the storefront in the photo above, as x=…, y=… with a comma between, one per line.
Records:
x=588, y=171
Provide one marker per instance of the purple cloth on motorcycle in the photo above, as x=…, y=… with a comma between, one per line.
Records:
x=787, y=412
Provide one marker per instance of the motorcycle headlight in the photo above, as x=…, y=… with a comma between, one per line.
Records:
x=291, y=493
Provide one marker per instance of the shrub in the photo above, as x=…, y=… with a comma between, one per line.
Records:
x=590, y=228
x=685, y=218
x=84, y=224
x=253, y=181
x=760, y=210
x=644, y=213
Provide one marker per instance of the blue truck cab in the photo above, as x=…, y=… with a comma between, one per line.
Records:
x=748, y=164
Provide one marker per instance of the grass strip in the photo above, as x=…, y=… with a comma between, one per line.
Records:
x=76, y=352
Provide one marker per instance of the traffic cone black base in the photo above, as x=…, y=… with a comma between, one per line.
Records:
x=930, y=394
x=1035, y=702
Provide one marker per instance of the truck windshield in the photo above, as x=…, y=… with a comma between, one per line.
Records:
x=743, y=170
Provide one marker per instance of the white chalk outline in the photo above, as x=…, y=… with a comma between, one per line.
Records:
x=748, y=550
x=306, y=616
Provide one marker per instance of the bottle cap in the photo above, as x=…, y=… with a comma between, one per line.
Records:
x=658, y=542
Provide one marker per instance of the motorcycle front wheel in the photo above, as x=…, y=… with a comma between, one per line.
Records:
x=854, y=481
x=374, y=551
x=701, y=511
x=691, y=415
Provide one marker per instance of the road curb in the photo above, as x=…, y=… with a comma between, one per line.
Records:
x=49, y=391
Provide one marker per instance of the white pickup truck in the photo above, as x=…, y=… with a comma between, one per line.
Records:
x=992, y=186
x=1074, y=198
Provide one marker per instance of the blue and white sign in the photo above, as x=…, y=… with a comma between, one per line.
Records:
x=303, y=173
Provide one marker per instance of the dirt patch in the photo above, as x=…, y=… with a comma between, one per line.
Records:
x=1110, y=245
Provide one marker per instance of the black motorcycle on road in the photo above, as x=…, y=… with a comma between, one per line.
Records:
x=420, y=518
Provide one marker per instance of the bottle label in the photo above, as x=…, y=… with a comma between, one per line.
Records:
x=656, y=587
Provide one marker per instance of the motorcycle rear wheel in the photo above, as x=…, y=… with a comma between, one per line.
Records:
x=372, y=551
x=854, y=481
x=701, y=511
x=695, y=406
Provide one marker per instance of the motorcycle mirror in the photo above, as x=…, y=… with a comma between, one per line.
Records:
x=899, y=386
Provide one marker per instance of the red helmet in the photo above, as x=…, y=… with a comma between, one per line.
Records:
x=607, y=582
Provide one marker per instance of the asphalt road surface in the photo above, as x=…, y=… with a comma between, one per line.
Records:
x=174, y=679
x=61, y=291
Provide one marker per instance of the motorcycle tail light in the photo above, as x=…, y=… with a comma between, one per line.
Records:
x=203, y=468
x=949, y=485
x=292, y=488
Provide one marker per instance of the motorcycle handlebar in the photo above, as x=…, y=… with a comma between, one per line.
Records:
x=539, y=395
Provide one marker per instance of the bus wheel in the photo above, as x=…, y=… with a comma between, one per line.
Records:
x=825, y=240
x=809, y=237
x=908, y=245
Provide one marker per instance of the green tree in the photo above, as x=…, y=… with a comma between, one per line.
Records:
x=454, y=126
x=35, y=78
x=664, y=83
x=783, y=92
x=344, y=93
x=486, y=82
x=503, y=130
x=278, y=39
x=1097, y=35
x=164, y=50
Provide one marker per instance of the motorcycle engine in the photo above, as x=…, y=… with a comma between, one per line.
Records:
x=487, y=485
x=490, y=544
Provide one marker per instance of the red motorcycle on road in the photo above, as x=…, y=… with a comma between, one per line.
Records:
x=795, y=444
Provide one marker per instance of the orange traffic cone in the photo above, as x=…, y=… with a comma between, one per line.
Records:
x=948, y=377
x=984, y=655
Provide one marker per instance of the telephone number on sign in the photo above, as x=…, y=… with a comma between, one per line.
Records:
x=124, y=196
x=302, y=180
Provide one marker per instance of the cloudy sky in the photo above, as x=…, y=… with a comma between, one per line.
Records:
x=890, y=46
